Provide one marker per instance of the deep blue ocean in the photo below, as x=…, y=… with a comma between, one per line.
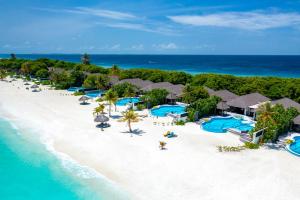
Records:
x=282, y=66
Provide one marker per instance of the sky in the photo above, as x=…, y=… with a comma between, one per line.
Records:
x=214, y=27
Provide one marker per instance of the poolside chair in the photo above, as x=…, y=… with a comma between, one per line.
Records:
x=166, y=134
x=171, y=135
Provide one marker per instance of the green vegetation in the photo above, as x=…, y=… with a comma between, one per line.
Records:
x=155, y=97
x=193, y=93
x=65, y=74
x=78, y=93
x=129, y=116
x=247, y=145
x=250, y=145
x=96, y=81
x=125, y=90
x=230, y=148
x=99, y=109
x=140, y=107
x=275, y=120
x=180, y=123
x=203, y=107
x=112, y=97
x=3, y=74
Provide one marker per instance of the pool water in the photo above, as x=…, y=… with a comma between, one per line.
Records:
x=163, y=111
x=295, y=146
x=221, y=124
x=94, y=94
x=125, y=101
x=74, y=89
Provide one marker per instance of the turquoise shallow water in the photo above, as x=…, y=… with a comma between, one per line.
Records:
x=29, y=171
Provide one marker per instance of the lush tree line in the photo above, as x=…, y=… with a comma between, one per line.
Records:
x=276, y=120
x=65, y=74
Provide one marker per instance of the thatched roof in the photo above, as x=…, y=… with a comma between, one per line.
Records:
x=247, y=100
x=287, y=103
x=139, y=83
x=172, y=96
x=210, y=91
x=225, y=95
x=297, y=120
x=83, y=98
x=101, y=119
x=171, y=88
x=222, y=105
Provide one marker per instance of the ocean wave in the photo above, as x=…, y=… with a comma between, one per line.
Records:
x=81, y=171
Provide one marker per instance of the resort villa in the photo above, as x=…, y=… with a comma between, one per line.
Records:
x=248, y=104
x=175, y=91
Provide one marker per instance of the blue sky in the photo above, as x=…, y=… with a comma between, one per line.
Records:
x=150, y=27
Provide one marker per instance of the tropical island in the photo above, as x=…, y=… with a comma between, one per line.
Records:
x=182, y=119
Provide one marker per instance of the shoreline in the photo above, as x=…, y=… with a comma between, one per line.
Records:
x=78, y=172
x=188, y=68
x=190, y=168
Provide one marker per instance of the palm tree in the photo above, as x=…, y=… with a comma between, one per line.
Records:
x=265, y=113
x=112, y=97
x=85, y=59
x=13, y=56
x=3, y=74
x=130, y=116
x=99, y=110
x=162, y=145
x=115, y=70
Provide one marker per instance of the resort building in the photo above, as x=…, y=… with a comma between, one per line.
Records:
x=247, y=104
x=225, y=96
x=296, y=122
x=139, y=83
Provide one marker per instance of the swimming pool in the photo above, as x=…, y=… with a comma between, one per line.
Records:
x=94, y=93
x=164, y=110
x=221, y=124
x=75, y=89
x=125, y=101
x=294, y=148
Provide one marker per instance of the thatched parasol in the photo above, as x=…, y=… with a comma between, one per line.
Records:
x=101, y=119
x=83, y=99
x=26, y=83
x=34, y=86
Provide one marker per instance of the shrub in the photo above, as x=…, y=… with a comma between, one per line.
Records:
x=140, y=107
x=230, y=148
x=78, y=93
x=180, y=123
x=250, y=145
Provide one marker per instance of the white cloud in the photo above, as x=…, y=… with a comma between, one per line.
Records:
x=110, y=14
x=102, y=13
x=137, y=47
x=255, y=20
x=115, y=47
x=167, y=46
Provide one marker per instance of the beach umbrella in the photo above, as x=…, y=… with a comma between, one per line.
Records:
x=35, y=90
x=83, y=99
x=34, y=86
x=26, y=83
x=101, y=119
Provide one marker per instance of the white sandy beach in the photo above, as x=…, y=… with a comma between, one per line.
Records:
x=191, y=167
